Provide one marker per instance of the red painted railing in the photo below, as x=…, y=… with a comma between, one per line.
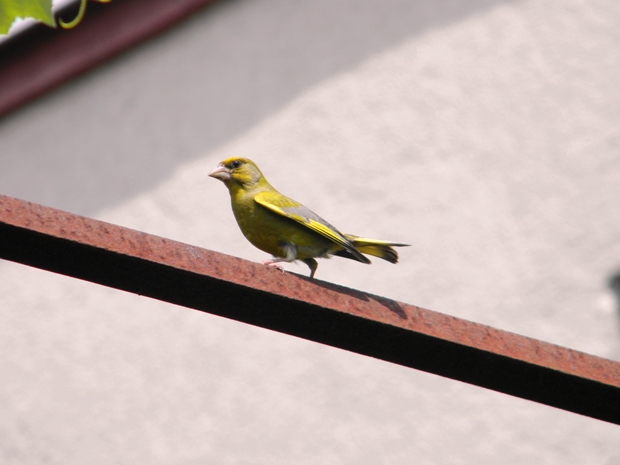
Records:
x=204, y=280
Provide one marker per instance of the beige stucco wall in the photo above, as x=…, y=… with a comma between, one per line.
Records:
x=484, y=133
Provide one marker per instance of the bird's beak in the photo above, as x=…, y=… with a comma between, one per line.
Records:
x=220, y=172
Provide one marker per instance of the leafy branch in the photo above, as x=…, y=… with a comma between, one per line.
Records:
x=40, y=10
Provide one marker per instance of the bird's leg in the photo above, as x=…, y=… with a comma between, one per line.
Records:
x=312, y=264
x=291, y=256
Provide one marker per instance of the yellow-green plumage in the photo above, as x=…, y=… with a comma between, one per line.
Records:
x=285, y=228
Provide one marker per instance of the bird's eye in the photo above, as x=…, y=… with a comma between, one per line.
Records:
x=235, y=164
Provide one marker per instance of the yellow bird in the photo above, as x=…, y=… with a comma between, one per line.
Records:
x=285, y=228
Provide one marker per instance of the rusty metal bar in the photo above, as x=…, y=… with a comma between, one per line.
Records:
x=41, y=58
x=201, y=279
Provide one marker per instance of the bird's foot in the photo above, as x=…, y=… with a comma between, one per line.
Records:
x=273, y=264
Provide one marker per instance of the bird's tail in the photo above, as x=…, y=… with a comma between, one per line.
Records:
x=375, y=247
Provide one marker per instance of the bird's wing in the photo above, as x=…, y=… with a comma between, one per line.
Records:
x=289, y=208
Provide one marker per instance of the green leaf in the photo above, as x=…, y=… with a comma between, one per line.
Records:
x=10, y=10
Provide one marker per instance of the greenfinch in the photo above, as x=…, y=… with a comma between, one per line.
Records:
x=284, y=228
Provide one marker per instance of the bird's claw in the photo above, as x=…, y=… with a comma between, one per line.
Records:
x=274, y=265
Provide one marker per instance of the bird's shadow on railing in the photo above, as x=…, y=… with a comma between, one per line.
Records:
x=390, y=305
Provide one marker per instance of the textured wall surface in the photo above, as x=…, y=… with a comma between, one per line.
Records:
x=485, y=133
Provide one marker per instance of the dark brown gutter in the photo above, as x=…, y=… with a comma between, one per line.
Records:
x=41, y=58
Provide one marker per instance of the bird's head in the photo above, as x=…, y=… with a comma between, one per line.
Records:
x=238, y=170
